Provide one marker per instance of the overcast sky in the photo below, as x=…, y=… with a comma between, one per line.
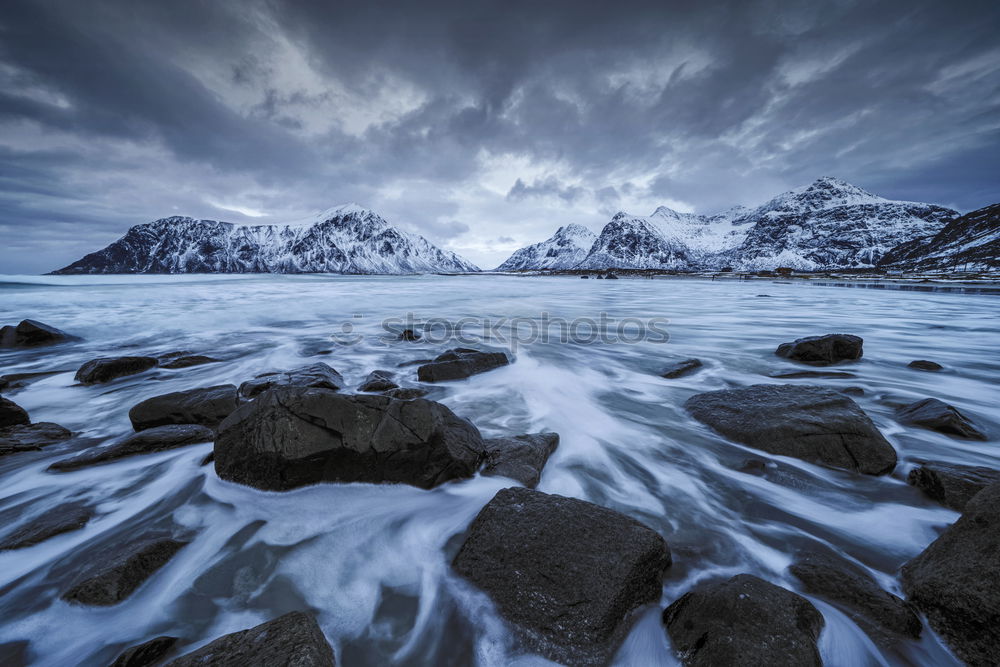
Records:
x=481, y=125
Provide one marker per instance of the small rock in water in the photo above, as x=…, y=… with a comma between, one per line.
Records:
x=954, y=581
x=681, y=368
x=409, y=334
x=585, y=277
x=378, y=381
x=155, y=439
x=823, y=350
x=31, y=333
x=850, y=587
x=753, y=467
x=924, y=365
x=566, y=573
x=187, y=361
x=207, y=406
x=105, y=369
x=31, y=437
x=612, y=276
x=294, y=436
x=406, y=393
x=520, y=457
x=12, y=414
x=118, y=572
x=852, y=391
x=600, y=276
x=936, y=415
x=292, y=640
x=744, y=621
x=60, y=519
x=951, y=484
x=826, y=375
x=317, y=375
x=413, y=362
x=810, y=423
x=146, y=654
x=460, y=363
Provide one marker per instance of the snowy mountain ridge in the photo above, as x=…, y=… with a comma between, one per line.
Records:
x=567, y=248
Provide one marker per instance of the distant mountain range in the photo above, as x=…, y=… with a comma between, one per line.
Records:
x=967, y=243
x=346, y=239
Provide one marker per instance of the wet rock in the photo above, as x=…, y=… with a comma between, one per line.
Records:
x=681, y=368
x=585, y=277
x=520, y=457
x=611, y=276
x=566, y=573
x=753, y=467
x=954, y=581
x=317, y=375
x=146, y=654
x=600, y=276
x=31, y=333
x=409, y=334
x=845, y=584
x=823, y=350
x=207, y=406
x=187, y=361
x=951, y=484
x=852, y=391
x=155, y=439
x=293, y=640
x=118, y=572
x=294, y=436
x=12, y=414
x=4, y=382
x=828, y=375
x=413, y=362
x=31, y=437
x=105, y=369
x=378, y=381
x=406, y=393
x=810, y=423
x=744, y=621
x=924, y=365
x=936, y=415
x=209, y=458
x=61, y=519
x=460, y=363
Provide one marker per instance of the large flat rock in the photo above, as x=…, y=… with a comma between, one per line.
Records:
x=460, y=363
x=935, y=415
x=823, y=350
x=106, y=369
x=63, y=518
x=156, y=439
x=207, y=406
x=31, y=333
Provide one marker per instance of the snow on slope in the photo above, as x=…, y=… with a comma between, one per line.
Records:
x=968, y=243
x=344, y=239
x=567, y=248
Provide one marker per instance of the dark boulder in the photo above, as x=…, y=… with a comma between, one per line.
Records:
x=954, y=581
x=882, y=614
x=810, y=423
x=105, y=369
x=930, y=413
x=207, y=406
x=378, y=381
x=520, y=457
x=744, y=621
x=951, y=484
x=823, y=350
x=188, y=360
x=146, y=654
x=406, y=393
x=924, y=365
x=12, y=414
x=822, y=375
x=409, y=334
x=318, y=375
x=292, y=640
x=31, y=437
x=56, y=521
x=566, y=573
x=460, y=363
x=117, y=572
x=31, y=333
x=294, y=436
x=156, y=439
x=681, y=368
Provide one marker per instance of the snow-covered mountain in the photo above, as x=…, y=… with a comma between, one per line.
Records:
x=344, y=239
x=968, y=243
x=567, y=248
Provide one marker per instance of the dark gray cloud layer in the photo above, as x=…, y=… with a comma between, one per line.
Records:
x=483, y=125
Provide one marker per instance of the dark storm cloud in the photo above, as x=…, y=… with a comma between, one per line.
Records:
x=508, y=116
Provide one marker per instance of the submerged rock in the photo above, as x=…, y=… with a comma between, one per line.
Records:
x=823, y=350
x=850, y=587
x=924, y=365
x=810, y=423
x=825, y=375
x=566, y=573
x=31, y=333
x=146, y=654
x=155, y=439
x=406, y=393
x=292, y=640
x=118, y=572
x=105, y=369
x=409, y=334
x=744, y=621
x=60, y=519
x=26, y=437
x=188, y=360
x=951, y=484
x=294, y=436
x=520, y=457
x=378, y=381
x=681, y=368
x=207, y=406
x=317, y=375
x=460, y=363
x=935, y=415
x=12, y=414
x=954, y=581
